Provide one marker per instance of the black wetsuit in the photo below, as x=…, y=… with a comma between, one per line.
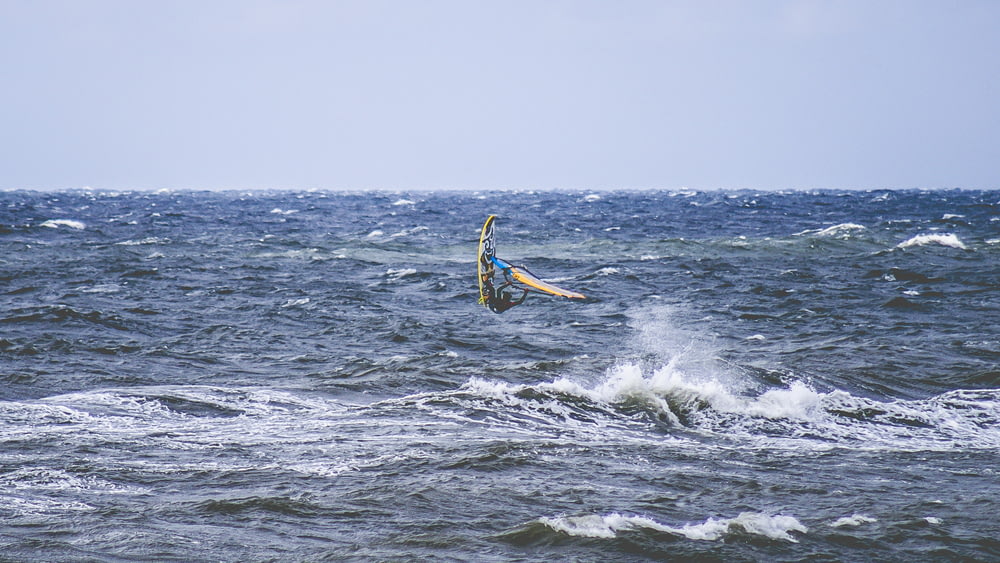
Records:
x=500, y=300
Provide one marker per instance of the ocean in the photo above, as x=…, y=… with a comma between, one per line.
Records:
x=307, y=376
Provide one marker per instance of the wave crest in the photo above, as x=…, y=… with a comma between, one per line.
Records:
x=776, y=527
x=943, y=239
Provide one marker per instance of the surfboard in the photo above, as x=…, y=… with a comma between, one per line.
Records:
x=484, y=260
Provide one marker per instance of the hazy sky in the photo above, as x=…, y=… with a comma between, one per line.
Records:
x=412, y=94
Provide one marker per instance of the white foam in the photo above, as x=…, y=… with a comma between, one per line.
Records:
x=610, y=525
x=48, y=479
x=279, y=211
x=300, y=254
x=400, y=273
x=103, y=288
x=945, y=239
x=789, y=417
x=590, y=198
x=408, y=232
x=595, y=526
x=680, y=379
x=797, y=402
x=37, y=506
x=843, y=230
x=404, y=202
x=147, y=240
x=56, y=223
x=666, y=385
x=853, y=521
x=607, y=271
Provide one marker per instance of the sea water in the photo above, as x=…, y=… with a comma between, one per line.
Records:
x=307, y=376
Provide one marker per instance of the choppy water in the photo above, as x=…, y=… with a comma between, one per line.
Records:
x=307, y=376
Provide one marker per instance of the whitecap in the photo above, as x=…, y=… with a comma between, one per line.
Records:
x=102, y=288
x=408, y=232
x=597, y=526
x=945, y=239
x=855, y=520
x=797, y=402
x=608, y=526
x=776, y=527
x=38, y=506
x=692, y=389
x=50, y=479
x=56, y=223
x=404, y=202
x=400, y=273
x=147, y=240
x=842, y=230
x=590, y=198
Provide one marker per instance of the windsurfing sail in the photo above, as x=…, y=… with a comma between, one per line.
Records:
x=484, y=263
x=521, y=274
x=487, y=264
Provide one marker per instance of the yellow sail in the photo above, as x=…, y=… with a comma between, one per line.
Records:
x=527, y=278
x=484, y=258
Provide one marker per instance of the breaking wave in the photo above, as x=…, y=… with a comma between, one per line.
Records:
x=71, y=223
x=843, y=230
x=680, y=388
x=790, y=417
x=944, y=239
x=607, y=526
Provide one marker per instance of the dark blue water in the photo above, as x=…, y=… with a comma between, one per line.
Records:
x=307, y=376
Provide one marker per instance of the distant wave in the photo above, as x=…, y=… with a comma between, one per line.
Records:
x=944, y=239
x=842, y=230
x=56, y=223
x=852, y=521
x=777, y=527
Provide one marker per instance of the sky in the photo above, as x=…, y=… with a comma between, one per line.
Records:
x=512, y=94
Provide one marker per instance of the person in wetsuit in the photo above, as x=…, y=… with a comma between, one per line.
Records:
x=499, y=299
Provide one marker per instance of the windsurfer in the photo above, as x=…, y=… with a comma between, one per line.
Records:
x=498, y=299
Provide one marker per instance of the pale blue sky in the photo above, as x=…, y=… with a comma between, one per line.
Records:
x=412, y=94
